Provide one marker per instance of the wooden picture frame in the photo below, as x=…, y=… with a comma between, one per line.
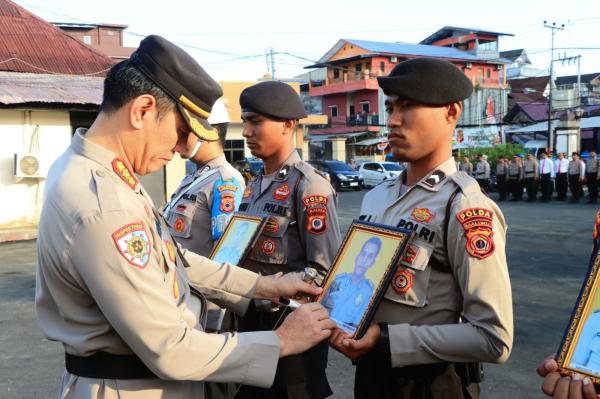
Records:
x=361, y=273
x=575, y=354
x=237, y=240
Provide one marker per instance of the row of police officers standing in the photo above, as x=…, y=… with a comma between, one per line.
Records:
x=129, y=293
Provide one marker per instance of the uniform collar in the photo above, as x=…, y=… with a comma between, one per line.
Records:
x=106, y=158
x=212, y=164
x=284, y=171
x=432, y=180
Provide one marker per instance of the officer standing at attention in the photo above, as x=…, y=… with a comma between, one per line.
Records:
x=302, y=227
x=466, y=166
x=576, y=172
x=515, y=176
x=501, y=175
x=561, y=168
x=206, y=199
x=482, y=173
x=449, y=303
x=546, y=177
x=113, y=287
x=531, y=171
x=591, y=177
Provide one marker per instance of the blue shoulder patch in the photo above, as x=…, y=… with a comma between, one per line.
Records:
x=227, y=195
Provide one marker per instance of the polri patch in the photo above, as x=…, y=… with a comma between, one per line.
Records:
x=402, y=281
x=478, y=226
x=282, y=192
x=422, y=215
x=133, y=243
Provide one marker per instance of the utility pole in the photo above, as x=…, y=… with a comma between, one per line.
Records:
x=272, y=64
x=568, y=60
x=553, y=28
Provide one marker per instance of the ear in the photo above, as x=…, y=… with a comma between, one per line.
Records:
x=289, y=126
x=141, y=109
x=453, y=112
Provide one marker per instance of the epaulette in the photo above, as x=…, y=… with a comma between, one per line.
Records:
x=467, y=184
x=308, y=170
x=107, y=190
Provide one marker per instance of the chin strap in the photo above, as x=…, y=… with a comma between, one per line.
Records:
x=195, y=150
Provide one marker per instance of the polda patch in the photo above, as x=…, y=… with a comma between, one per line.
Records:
x=478, y=226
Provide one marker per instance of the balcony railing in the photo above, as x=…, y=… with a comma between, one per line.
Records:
x=363, y=120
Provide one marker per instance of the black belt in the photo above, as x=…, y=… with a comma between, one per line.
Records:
x=107, y=366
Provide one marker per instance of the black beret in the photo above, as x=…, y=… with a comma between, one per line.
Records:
x=428, y=81
x=181, y=78
x=272, y=99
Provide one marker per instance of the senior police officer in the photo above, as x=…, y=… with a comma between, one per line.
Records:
x=449, y=303
x=301, y=230
x=112, y=286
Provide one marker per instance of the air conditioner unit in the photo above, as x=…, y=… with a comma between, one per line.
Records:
x=468, y=65
x=28, y=165
x=393, y=59
x=499, y=67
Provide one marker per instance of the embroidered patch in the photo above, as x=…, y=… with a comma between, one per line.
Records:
x=272, y=226
x=247, y=192
x=282, y=192
x=170, y=250
x=227, y=203
x=175, y=286
x=314, y=199
x=124, y=173
x=133, y=243
x=402, y=281
x=283, y=172
x=411, y=254
x=434, y=179
x=268, y=247
x=227, y=187
x=179, y=225
x=422, y=215
x=477, y=223
x=181, y=207
x=316, y=210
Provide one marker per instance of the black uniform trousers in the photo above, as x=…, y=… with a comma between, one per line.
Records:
x=501, y=181
x=546, y=182
x=299, y=376
x=575, y=187
x=516, y=188
x=561, y=186
x=484, y=184
x=531, y=187
x=592, y=185
x=376, y=379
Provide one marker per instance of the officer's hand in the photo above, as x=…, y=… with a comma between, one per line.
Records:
x=304, y=328
x=353, y=348
x=288, y=285
x=560, y=387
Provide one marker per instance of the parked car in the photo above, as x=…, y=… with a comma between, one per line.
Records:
x=374, y=173
x=341, y=174
x=249, y=167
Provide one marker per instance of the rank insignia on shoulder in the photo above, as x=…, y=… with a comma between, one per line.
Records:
x=402, y=281
x=282, y=192
x=283, y=172
x=133, y=243
x=478, y=226
x=422, y=215
x=434, y=178
x=204, y=169
x=124, y=173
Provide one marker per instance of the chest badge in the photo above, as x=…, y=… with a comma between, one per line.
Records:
x=402, y=281
x=422, y=215
x=282, y=192
x=411, y=254
x=268, y=247
x=179, y=225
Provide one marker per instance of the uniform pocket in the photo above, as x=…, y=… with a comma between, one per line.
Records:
x=411, y=280
x=272, y=245
x=180, y=219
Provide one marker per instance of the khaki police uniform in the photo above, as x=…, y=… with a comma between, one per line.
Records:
x=531, y=172
x=111, y=283
x=444, y=306
x=301, y=230
x=501, y=179
x=482, y=174
x=466, y=167
x=515, y=176
x=591, y=176
x=576, y=173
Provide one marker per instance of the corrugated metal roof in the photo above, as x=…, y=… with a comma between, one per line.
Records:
x=30, y=44
x=453, y=31
x=19, y=88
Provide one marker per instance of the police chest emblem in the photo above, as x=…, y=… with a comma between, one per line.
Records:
x=282, y=192
x=422, y=215
x=271, y=226
x=124, y=173
x=410, y=254
x=133, y=243
x=179, y=225
x=268, y=247
x=316, y=213
x=402, y=281
x=477, y=223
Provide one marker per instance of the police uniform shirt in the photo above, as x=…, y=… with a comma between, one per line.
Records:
x=591, y=165
x=423, y=305
x=502, y=169
x=466, y=167
x=347, y=301
x=302, y=225
x=531, y=168
x=110, y=279
x=576, y=168
x=587, y=351
x=483, y=170
x=515, y=170
x=203, y=204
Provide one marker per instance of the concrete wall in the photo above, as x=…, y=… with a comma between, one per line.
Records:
x=20, y=199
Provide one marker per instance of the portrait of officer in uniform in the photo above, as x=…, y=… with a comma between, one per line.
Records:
x=449, y=304
x=587, y=350
x=348, y=296
x=301, y=229
x=125, y=300
x=234, y=245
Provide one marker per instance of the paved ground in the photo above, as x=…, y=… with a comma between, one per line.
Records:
x=548, y=249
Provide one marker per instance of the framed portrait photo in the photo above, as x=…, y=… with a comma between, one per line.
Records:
x=361, y=273
x=237, y=240
x=579, y=351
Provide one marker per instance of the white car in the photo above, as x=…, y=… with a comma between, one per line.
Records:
x=374, y=173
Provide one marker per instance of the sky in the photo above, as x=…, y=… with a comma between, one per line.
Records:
x=230, y=38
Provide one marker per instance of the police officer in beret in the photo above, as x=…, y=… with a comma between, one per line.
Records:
x=125, y=300
x=449, y=304
x=301, y=230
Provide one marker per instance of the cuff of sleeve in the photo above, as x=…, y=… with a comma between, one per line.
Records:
x=261, y=369
x=406, y=348
x=242, y=282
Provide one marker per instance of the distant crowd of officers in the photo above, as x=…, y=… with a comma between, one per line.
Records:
x=531, y=175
